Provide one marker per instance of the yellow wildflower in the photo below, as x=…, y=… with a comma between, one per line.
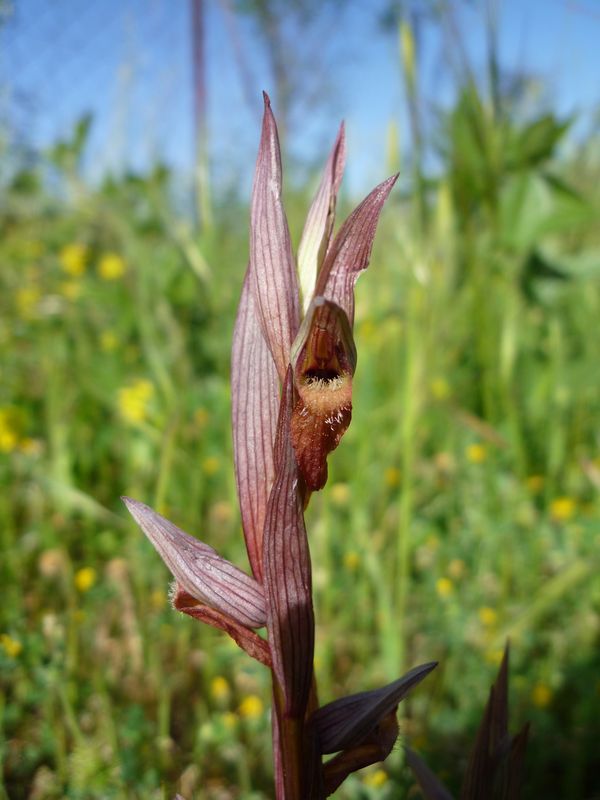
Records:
x=476, y=453
x=9, y=430
x=494, y=656
x=12, y=647
x=457, y=568
x=340, y=494
x=111, y=267
x=251, y=707
x=229, y=720
x=562, y=509
x=391, y=477
x=73, y=258
x=70, y=289
x=376, y=779
x=440, y=388
x=444, y=587
x=487, y=616
x=27, y=299
x=133, y=400
x=30, y=447
x=158, y=599
x=351, y=560
x=85, y=578
x=219, y=688
x=108, y=341
x=201, y=417
x=541, y=695
x=535, y=483
x=210, y=465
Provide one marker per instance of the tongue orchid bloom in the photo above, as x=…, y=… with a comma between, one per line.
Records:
x=292, y=366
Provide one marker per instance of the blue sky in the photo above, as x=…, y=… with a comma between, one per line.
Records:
x=128, y=61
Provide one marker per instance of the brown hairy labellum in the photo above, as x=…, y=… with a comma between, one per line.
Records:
x=323, y=360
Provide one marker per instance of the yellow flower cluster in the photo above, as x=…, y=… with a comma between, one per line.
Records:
x=75, y=256
x=134, y=400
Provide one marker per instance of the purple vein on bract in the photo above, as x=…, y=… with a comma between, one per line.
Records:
x=274, y=282
x=254, y=407
x=200, y=570
x=350, y=251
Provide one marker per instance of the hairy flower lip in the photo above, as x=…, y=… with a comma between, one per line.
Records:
x=323, y=360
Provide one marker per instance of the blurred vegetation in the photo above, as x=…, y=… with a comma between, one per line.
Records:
x=462, y=507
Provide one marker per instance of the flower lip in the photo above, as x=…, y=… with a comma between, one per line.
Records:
x=323, y=361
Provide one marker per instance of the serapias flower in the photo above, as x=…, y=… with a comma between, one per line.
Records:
x=291, y=384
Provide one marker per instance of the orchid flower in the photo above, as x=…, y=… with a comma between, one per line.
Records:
x=292, y=368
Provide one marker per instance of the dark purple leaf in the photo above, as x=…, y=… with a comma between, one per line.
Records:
x=374, y=748
x=346, y=722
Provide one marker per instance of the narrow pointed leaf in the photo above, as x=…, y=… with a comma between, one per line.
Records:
x=346, y=722
x=376, y=747
x=486, y=766
x=431, y=786
x=323, y=359
x=350, y=251
x=274, y=282
x=287, y=573
x=320, y=220
x=515, y=764
x=200, y=570
x=254, y=406
x=245, y=638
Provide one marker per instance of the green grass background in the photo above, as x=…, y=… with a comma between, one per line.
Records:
x=462, y=507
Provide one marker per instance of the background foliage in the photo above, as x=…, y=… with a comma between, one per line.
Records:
x=462, y=506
